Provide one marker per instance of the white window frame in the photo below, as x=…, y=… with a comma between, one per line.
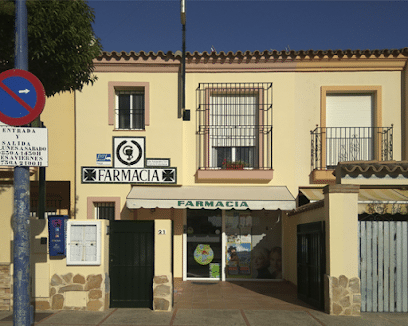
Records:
x=71, y=242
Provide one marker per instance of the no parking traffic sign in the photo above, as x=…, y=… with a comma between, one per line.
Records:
x=22, y=97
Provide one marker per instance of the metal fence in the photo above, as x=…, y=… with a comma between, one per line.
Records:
x=332, y=145
x=383, y=266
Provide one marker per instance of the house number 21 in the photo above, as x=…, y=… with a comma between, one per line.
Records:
x=162, y=232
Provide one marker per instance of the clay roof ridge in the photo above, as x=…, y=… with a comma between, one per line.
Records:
x=375, y=166
x=257, y=53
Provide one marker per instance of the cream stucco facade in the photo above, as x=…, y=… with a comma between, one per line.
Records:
x=185, y=185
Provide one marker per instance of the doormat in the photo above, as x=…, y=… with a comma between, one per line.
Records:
x=38, y=316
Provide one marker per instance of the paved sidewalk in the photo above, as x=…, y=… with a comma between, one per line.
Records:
x=206, y=317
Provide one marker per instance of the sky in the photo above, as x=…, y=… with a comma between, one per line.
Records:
x=234, y=25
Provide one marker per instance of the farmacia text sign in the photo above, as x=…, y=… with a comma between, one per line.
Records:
x=119, y=175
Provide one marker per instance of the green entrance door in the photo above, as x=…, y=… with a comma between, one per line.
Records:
x=131, y=270
x=311, y=263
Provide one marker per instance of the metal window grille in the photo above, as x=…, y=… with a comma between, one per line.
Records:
x=105, y=211
x=234, y=125
x=130, y=109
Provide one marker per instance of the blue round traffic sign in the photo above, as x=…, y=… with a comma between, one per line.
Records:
x=22, y=97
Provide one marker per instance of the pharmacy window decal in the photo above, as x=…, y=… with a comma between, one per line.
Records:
x=203, y=254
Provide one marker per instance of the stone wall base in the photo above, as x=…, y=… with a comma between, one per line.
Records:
x=343, y=296
x=75, y=292
x=162, y=293
x=5, y=286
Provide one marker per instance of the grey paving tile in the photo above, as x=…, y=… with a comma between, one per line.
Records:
x=209, y=317
x=8, y=317
x=365, y=319
x=75, y=318
x=4, y=314
x=395, y=318
x=279, y=317
x=138, y=316
x=6, y=323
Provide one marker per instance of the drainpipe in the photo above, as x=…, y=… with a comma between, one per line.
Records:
x=186, y=113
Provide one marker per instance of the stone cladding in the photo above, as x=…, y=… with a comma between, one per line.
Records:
x=92, y=285
x=5, y=286
x=344, y=296
x=162, y=293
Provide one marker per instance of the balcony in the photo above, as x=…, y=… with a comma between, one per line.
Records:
x=332, y=145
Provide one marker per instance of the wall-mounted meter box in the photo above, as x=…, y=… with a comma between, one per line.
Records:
x=84, y=244
x=57, y=230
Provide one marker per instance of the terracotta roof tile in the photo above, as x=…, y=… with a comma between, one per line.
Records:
x=273, y=53
x=360, y=167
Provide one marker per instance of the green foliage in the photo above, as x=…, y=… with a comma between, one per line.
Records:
x=61, y=42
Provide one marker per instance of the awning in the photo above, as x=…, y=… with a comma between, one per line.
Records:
x=374, y=200
x=313, y=194
x=225, y=198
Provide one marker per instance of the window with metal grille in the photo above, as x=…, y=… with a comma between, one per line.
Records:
x=235, y=127
x=130, y=110
x=105, y=211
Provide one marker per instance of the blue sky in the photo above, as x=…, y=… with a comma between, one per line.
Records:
x=232, y=25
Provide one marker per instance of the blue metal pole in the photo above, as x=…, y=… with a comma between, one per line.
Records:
x=21, y=218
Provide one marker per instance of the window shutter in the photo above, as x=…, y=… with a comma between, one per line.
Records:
x=349, y=110
x=349, y=119
x=229, y=111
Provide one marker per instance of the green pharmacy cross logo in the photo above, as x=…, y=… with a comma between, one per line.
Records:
x=168, y=175
x=89, y=175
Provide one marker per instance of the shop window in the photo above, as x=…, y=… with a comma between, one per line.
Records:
x=84, y=243
x=250, y=247
x=254, y=245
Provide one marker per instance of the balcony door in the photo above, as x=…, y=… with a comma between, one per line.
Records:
x=349, y=128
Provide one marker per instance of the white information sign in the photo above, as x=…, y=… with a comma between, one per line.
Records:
x=157, y=162
x=21, y=146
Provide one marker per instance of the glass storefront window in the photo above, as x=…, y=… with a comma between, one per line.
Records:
x=252, y=247
x=253, y=244
x=204, y=231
